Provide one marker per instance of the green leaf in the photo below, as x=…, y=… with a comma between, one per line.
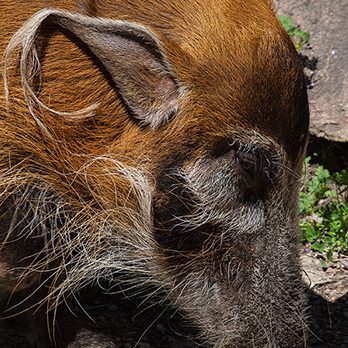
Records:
x=319, y=246
x=323, y=264
x=323, y=205
x=286, y=22
x=299, y=36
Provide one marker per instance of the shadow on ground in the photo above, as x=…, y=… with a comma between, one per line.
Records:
x=121, y=322
x=328, y=322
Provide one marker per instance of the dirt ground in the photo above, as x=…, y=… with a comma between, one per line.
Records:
x=328, y=299
x=327, y=64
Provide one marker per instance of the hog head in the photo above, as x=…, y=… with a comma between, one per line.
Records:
x=180, y=166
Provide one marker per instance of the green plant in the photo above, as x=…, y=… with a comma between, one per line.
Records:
x=323, y=208
x=299, y=36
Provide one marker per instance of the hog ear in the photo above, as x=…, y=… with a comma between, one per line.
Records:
x=130, y=53
x=134, y=58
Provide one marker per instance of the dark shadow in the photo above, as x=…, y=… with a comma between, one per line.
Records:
x=332, y=155
x=121, y=321
x=101, y=321
x=328, y=322
x=310, y=65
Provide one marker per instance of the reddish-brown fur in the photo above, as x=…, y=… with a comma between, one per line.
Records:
x=239, y=76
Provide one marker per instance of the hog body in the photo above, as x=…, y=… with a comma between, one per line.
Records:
x=162, y=140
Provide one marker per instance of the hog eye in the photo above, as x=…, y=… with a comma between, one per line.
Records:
x=251, y=160
x=246, y=161
x=254, y=167
x=249, y=167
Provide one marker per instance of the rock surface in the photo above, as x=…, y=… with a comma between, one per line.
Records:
x=327, y=23
x=332, y=283
x=328, y=299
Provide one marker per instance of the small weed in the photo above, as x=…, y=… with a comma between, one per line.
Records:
x=299, y=36
x=323, y=208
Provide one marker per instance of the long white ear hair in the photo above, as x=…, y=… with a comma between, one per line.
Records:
x=130, y=53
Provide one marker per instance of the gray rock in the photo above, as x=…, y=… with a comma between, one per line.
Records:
x=344, y=263
x=327, y=23
x=313, y=272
